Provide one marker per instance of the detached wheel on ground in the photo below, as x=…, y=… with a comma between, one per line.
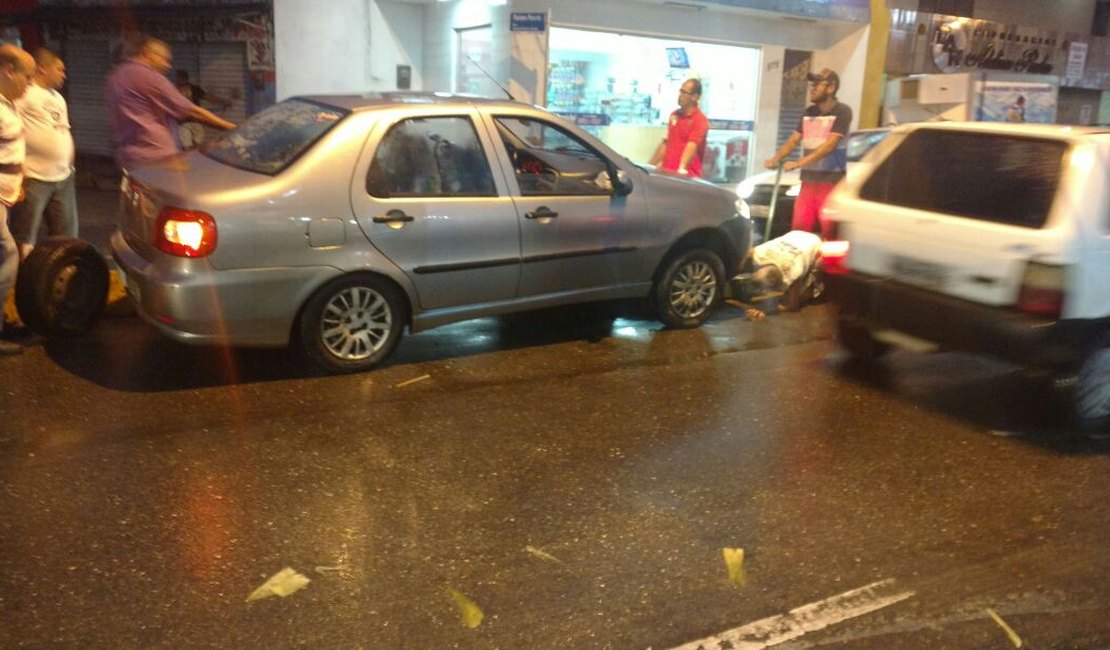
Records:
x=690, y=287
x=62, y=287
x=352, y=324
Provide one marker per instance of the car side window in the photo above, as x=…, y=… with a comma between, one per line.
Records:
x=549, y=160
x=1004, y=179
x=430, y=157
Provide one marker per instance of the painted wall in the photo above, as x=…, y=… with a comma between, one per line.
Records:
x=355, y=46
x=441, y=19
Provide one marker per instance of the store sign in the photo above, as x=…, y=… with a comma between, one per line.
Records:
x=964, y=45
x=586, y=119
x=1077, y=60
x=731, y=125
x=528, y=21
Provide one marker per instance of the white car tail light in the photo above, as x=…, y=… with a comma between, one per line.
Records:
x=1042, y=289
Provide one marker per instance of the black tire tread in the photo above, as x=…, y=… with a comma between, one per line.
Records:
x=33, y=290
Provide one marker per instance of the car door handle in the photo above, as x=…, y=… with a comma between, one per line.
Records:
x=394, y=216
x=542, y=212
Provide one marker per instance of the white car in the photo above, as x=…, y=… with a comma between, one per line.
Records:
x=756, y=190
x=981, y=237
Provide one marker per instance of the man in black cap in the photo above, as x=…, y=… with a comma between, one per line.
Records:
x=824, y=156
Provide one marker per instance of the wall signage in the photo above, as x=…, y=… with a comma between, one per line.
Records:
x=965, y=45
x=528, y=21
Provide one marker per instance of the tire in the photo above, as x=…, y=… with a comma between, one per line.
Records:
x=856, y=338
x=62, y=287
x=352, y=324
x=1092, y=392
x=690, y=287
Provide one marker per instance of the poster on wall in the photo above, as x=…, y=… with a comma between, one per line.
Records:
x=1015, y=101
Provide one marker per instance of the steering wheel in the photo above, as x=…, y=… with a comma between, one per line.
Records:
x=547, y=181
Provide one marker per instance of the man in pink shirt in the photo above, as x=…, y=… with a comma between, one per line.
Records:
x=145, y=107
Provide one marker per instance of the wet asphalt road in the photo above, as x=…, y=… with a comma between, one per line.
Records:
x=560, y=481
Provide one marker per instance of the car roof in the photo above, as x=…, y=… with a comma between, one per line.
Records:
x=1008, y=128
x=374, y=100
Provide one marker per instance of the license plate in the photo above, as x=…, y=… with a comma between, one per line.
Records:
x=919, y=272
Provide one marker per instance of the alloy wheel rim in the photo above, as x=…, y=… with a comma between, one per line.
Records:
x=693, y=289
x=356, y=323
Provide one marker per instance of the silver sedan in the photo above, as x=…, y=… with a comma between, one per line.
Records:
x=332, y=223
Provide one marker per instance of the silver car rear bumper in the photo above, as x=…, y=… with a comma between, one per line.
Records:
x=191, y=302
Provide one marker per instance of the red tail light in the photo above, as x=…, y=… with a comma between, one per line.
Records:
x=834, y=257
x=1042, y=289
x=185, y=233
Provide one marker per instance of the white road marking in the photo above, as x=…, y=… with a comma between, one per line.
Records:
x=1010, y=634
x=413, y=381
x=774, y=630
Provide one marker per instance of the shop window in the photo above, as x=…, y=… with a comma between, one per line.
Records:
x=548, y=160
x=425, y=157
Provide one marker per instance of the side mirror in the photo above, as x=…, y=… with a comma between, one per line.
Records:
x=622, y=184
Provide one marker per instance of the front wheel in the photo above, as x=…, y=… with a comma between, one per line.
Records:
x=352, y=324
x=689, y=289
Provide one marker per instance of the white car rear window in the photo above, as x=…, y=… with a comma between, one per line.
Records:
x=1000, y=178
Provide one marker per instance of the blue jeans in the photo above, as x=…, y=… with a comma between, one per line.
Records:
x=56, y=201
x=9, y=260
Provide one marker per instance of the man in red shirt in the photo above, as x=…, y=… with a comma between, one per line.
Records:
x=682, y=150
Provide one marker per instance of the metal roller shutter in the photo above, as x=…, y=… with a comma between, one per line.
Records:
x=87, y=64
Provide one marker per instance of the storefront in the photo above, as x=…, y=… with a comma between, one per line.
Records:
x=623, y=88
x=614, y=67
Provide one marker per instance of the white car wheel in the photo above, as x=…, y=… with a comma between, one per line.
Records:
x=1092, y=392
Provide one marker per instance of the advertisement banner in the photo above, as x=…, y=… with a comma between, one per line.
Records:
x=1009, y=101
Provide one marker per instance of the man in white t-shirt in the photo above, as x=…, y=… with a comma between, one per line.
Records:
x=786, y=267
x=48, y=169
x=17, y=69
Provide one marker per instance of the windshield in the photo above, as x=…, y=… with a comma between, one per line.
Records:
x=270, y=141
x=861, y=142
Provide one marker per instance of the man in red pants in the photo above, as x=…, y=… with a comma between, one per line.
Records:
x=824, y=157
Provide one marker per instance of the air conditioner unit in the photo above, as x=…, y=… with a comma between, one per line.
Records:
x=943, y=88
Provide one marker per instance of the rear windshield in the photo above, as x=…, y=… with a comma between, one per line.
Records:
x=271, y=140
x=1005, y=179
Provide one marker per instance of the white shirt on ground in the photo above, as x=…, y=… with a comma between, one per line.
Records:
x=793, y=253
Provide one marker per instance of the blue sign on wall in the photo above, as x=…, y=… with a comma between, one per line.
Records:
x=528, y=21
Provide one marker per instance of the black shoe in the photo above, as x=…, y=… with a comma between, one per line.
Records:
x=13, y=332
x=8, y=348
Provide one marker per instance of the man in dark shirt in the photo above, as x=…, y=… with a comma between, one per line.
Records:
x=824, y=158
x=192, y=133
